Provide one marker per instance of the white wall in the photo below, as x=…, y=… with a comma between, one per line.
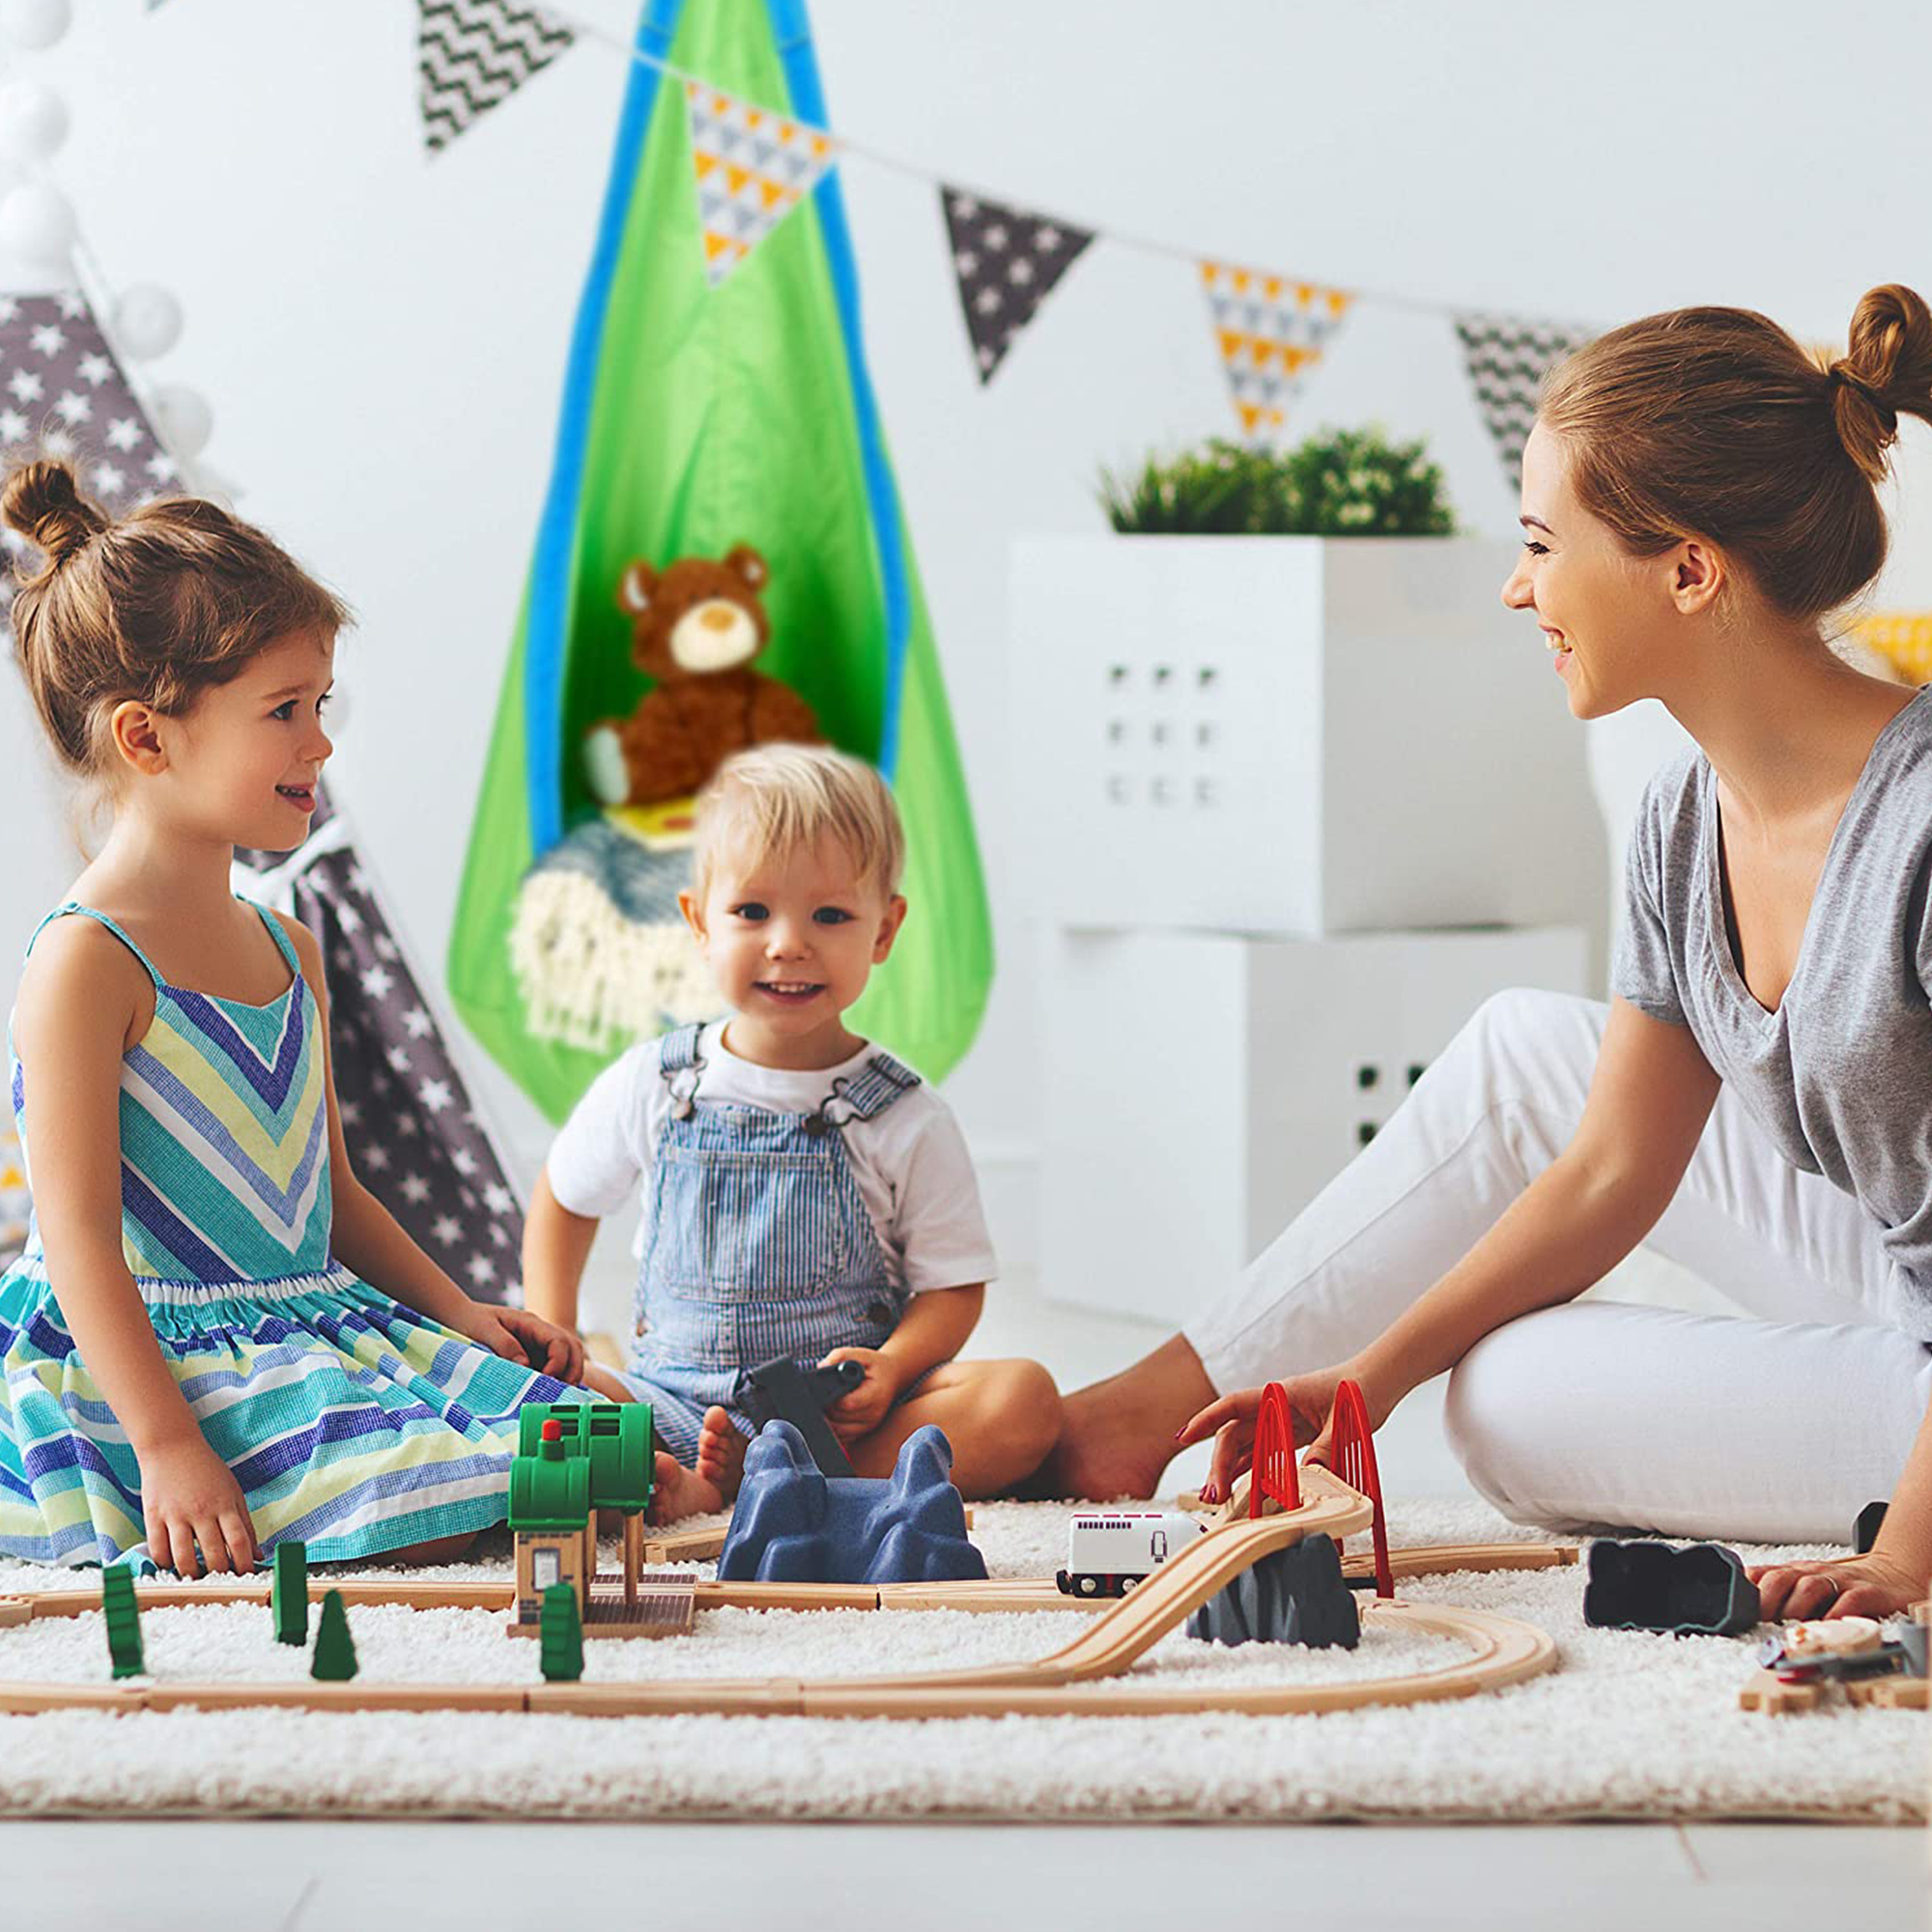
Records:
x=383, y=335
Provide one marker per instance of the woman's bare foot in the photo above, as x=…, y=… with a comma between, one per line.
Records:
x=678, y=1492
x=721, y=1453
x=1118, y=1435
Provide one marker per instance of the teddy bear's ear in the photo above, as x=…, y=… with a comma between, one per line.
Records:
x=634, y=591
x=749, y=565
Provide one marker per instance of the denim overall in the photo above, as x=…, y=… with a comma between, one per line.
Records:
x=760, y=1245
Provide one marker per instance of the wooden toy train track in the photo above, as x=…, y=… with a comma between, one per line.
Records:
x=1074, y=1680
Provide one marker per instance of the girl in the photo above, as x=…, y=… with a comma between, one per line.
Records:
x=1697, y=498
x=194, y=1363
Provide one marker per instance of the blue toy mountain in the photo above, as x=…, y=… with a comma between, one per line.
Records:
x=791, y=1525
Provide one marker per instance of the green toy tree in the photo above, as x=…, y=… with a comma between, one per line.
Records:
x=288, y=1595
x=123, y=1613
x=335, y=1648
x=560, y=1635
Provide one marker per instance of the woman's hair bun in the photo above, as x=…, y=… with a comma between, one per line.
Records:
x=1885, y=371
x=43, y=502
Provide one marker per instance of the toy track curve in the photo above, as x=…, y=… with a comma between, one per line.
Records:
x=1067, y=1682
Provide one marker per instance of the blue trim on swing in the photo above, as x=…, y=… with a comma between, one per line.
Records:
x=547, y=626
x=792, y=28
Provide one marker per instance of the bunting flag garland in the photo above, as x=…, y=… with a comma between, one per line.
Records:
x=1270, y=331
x=752, y=168
x=1507, y=359
x=407, y=1120
x=472, y=55
x=1007, y=261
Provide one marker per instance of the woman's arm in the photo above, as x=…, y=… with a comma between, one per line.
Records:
x=557, y=1245
x=368, y=1241
x=83, y=1001
x=1650, y=1096
x=1892, y=1576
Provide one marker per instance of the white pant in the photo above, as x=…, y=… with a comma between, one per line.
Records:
x=1598, y=1413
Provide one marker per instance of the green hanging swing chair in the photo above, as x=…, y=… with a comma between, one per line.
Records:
x=695, y=419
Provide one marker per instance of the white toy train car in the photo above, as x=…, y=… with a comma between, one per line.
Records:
x=1110, y=1550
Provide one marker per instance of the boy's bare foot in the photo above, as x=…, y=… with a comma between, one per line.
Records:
x=1118, y=1435
x=721, y=1453
x=678, y=1492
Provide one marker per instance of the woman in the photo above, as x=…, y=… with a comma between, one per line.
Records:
x=1755, y=1102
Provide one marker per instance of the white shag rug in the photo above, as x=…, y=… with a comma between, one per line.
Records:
x=1628, y=1726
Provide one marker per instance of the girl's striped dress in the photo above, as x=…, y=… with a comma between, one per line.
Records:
x=352, y=1423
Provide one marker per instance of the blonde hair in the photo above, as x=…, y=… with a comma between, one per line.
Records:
x=156, y=606
x=775, y=800
x=1715, y=423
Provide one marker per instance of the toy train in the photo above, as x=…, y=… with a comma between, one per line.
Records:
x=1111, y=1551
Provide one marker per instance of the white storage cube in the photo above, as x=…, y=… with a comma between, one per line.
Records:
x=1293, y=735
x=1199, y=1089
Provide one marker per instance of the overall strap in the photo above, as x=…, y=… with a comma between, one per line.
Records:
x=681, y=1068
x=87, y=911
x=279, y=932
x=866, y=1094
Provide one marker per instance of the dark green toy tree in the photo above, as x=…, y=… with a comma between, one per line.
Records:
x=560, y=1635
x=288, y=1595
x=335, y=1648
x=123, y=1614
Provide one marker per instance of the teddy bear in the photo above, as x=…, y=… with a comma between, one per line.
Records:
x=698, y=625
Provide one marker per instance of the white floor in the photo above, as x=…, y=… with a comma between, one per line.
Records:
x=276, y=1876
x=288, y=1876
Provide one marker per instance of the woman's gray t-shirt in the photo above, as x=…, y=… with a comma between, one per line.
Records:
x=1840, y=1075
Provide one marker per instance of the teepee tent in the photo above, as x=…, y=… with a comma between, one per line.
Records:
x=716, y=395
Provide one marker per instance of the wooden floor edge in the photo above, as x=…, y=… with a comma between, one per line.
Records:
x=1507, y=1652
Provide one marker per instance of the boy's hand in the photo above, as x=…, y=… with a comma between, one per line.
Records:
x=519, y=1336
x=862, y=1412
x=189, y=1499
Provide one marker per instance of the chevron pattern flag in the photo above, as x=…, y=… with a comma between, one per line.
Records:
x=752, y=168
x=1507, y=359
x=1008, y=262
x=1270, y=331
x=472, y=55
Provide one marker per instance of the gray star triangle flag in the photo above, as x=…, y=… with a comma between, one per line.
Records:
x=1007, y=262
x=1507, y=359
x=472, y=55
x=62, y=394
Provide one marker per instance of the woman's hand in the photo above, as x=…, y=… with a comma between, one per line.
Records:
x=520, y=1336
x=862, y=1412
x=1311, y=1402
x=189, y=1499
x=1843, y=1587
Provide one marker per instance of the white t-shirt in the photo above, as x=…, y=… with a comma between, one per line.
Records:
x=910, y=1162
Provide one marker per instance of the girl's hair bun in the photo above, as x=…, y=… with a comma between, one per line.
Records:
x=43, y=502
x=1885, y=371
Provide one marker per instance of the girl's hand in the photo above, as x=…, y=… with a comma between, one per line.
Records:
x=862, y=1412
x=519, y=1336
x=1311, y=1402
x=1865, y=1587
x=190, y=1497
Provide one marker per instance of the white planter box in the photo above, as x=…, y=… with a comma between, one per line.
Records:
x=1293, y=735
x=1199, y=1089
